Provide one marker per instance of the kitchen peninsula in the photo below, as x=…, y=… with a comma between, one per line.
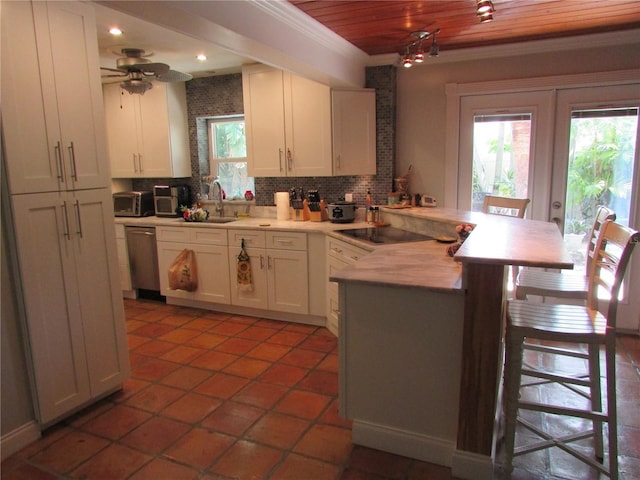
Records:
x=420, y=336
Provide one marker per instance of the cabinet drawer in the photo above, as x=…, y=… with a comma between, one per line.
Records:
x=344, y=251
x=209, y=236
x=202, y=236
x=252, y=238
x=287, y=240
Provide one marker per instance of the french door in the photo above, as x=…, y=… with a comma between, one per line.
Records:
x=568, y=150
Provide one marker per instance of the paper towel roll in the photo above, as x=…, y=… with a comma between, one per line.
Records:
x=282, y=206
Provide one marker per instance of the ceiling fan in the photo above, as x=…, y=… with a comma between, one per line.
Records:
x=139, y=71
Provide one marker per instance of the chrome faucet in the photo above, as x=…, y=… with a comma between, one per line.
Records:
x=216, y=196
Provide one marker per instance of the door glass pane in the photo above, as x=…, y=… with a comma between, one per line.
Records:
x=602, y=146
x=501, y=149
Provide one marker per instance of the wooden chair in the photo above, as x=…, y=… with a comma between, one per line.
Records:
x=512, y=207
x=573, y=285
x=593, y=324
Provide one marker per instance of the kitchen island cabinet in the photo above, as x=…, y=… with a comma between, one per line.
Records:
x=147, y=135
x=409, y=325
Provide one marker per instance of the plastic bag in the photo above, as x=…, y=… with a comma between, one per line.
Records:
x=183, y=272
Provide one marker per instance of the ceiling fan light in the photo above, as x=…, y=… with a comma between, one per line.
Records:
x=136, y=86
x=407, y=62
x=419, y=56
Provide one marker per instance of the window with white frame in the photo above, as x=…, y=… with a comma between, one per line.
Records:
x=228, y=155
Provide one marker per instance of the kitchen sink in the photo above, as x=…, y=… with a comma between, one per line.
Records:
x=221, y=219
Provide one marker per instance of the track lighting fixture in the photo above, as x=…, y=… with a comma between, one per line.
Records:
x=485, y=10
x=414, y=52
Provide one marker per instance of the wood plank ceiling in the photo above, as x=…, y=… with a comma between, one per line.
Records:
x=384, y=26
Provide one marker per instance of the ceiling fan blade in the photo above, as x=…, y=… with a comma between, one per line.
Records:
x=122, y=75
x=174, y=76
x=115, y=70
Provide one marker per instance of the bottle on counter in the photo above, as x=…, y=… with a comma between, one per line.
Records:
x=368, y=200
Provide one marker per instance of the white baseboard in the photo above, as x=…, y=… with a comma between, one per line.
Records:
x=18, y=439
x=403, y=442
x=471, y=466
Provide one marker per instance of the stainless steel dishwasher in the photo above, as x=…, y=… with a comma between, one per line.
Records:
x=143, y=258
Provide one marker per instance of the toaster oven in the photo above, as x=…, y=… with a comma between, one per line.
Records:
x=133, y=204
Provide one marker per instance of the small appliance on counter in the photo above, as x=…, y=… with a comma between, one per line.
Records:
x=299, y=205
x=133, y=204
x=317, y=207
x=168, y=200
x=342, y=212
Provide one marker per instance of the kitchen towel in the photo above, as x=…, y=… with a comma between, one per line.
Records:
x=282, y=205
x=244, y=270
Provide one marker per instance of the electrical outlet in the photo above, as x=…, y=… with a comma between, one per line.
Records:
x=348, y=197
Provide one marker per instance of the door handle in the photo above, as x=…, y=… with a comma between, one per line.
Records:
x=556, y=205
x=556, y=220
x=77, y=208
x=65, y=221
x=280, y=158
x=72, y=156
x=58, y=153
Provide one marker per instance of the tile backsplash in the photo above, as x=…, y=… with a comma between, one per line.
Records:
x=222, y=95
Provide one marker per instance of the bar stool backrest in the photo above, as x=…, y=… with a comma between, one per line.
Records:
x=512, y=207
x=610, y=260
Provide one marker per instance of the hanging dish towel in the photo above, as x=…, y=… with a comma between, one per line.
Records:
x=244, y=270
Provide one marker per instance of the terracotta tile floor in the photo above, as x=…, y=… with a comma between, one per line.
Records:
x=216, y=396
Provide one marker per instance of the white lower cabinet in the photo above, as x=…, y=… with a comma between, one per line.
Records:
x=210, y=247
x=123, y=258
x=339, y=255
x=73, y=302
x=279, y=270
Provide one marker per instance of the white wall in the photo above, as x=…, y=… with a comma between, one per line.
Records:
x=421, y=102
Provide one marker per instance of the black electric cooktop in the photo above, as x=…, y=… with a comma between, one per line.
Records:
x=384, y=235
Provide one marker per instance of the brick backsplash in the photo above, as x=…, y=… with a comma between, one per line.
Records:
x=222, y=95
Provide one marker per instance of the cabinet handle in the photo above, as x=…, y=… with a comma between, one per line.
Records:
x=140, y=162
x=280, y=158
x=337, y=250
x=72, y=157
x=58, y=152
x=135, y=166
x=261, y=262
x=269, y=262
x=338, y=162
x=65, y=221
x=76, y=205
x=284, y=242
x=289, y=159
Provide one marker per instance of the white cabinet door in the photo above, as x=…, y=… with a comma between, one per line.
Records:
x=74, y=310
x=288, y=124
x=53, y=118
x=213, y=271
x=308, y=127
x=354, y=131
x=122, y=131
x=257, y=295
x=264, y=122
x=148, y=134
x=288, y=281
x=98, y=288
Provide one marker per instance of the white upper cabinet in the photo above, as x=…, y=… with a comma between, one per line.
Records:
x=147, y=134
x=288, y=124
x=53, y=117
x=354, y=131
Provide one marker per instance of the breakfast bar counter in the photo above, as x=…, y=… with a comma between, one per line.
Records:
x=421, y=332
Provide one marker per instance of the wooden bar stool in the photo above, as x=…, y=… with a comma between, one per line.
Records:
x=571, y=285
x=593, y=324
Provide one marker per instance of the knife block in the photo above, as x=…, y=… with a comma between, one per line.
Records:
x=320, y=216
x=301, y=214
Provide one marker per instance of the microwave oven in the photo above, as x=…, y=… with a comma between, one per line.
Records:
x=169, y=200
x=133, y=204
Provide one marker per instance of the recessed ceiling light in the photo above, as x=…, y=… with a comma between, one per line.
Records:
x=202, y=57
x=115, y=31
